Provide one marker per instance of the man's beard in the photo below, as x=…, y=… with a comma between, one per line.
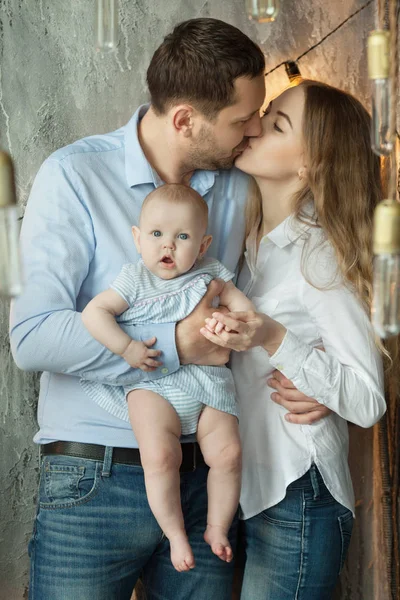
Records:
x=205, y=155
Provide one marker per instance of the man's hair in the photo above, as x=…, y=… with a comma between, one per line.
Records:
x=178, y=193
x=198, y=63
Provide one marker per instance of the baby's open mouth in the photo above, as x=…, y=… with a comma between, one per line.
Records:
x=167, y=260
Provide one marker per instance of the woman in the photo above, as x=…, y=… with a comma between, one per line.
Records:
x=308, y=268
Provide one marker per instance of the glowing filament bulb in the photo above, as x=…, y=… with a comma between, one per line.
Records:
x=106, y=25
x=378, y=71
x=385, y=311
x=263, y=11
x=10, y=267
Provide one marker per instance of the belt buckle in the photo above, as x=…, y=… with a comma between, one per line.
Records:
x=194, y=456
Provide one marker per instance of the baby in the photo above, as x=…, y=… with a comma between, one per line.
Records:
x=165, y=286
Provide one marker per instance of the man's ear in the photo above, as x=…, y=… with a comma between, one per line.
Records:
x=205, y=244
x=136, y=237
x=182, y=119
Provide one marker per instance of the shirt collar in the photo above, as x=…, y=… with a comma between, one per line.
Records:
x=137, y=168
x=291, y=228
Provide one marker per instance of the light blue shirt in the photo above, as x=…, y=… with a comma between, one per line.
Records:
x=75, y=237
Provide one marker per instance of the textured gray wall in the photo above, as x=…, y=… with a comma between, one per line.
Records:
x=54, y=89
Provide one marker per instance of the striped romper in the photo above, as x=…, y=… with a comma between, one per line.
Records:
x=155, y=300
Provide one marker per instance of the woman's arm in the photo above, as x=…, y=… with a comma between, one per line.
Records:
x=347, y=378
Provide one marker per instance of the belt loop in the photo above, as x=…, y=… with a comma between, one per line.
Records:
x=107, y=461
x=314, y=481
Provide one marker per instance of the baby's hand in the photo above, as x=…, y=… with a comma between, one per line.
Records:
x=216, y=326
x=139, y=356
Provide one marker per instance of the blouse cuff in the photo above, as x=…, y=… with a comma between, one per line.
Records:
x=290, y=356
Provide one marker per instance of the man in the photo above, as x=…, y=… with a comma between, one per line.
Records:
x=94, y=532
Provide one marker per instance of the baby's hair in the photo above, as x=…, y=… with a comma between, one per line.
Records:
x=179, y=193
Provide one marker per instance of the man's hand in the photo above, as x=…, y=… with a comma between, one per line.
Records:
x=303, y=410
x=192, y=347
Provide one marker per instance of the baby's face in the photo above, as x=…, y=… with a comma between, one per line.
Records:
x=170, y=238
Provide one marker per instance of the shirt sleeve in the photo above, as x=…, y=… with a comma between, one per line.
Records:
x=57, y=245
x=348, y=376
x=125, y=284
x=222, y=272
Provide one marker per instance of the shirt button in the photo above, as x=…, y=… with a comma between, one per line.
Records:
x=164, y=370
x=280, y=367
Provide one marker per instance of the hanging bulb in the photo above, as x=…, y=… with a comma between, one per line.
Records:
x=106, y=25
x=292, y=71
x=378, y=72
x=10, y=267
x=263, y=11
x=385, y=311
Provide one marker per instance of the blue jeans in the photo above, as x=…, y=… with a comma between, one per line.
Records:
x=296, y=549
x=94, y=535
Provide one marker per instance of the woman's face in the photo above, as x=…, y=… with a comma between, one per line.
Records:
x=277, y=154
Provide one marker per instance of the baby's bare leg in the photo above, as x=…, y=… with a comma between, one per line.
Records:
x=157, y=428
x=218, y=436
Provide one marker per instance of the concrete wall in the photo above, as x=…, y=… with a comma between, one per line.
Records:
x=54, y=89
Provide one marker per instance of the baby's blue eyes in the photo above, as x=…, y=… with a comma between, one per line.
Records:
x=181, y=236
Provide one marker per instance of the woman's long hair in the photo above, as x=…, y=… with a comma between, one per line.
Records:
x=343, y=181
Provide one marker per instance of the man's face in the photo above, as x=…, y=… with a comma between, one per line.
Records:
x=216, y=144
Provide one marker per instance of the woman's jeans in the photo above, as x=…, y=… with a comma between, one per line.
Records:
x=296, y=549
x=94, y=535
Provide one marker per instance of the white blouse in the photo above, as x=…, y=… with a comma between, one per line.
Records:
x=347, y=377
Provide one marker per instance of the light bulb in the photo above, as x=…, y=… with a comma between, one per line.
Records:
x=263, y=11
x=292, y=71
x=106, y=25
x=385, y=311
x=378, y=72
x=10, y=267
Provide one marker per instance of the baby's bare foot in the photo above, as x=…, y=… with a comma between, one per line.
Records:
x=181, y=553
x=217, y=538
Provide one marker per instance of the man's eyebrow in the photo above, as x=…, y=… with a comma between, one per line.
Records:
x=282, y=114
x=247, y=116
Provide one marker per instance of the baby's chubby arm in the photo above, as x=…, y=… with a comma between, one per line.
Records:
x=234, y=300
x=99, y=318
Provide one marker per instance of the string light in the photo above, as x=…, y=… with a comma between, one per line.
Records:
x=378, y=72
x=106, y=25
x=364, y=6
x=10, y=268
x=292, y=70
x=383, y=68
x=262, y=11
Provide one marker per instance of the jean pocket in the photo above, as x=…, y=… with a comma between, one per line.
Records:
x=346, y=527
x=66, y=482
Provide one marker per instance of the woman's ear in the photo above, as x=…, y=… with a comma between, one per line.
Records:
x=205, y=244
x=136, y=237
x=302, y=173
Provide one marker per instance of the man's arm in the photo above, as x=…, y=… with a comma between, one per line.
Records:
x=58, y=244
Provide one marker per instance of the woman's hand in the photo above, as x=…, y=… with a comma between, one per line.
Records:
x=303, y=410
x=244, y=330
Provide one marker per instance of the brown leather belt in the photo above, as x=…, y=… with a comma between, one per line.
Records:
x=191, y=453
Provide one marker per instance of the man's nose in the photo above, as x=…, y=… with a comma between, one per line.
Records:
x=254, y=128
